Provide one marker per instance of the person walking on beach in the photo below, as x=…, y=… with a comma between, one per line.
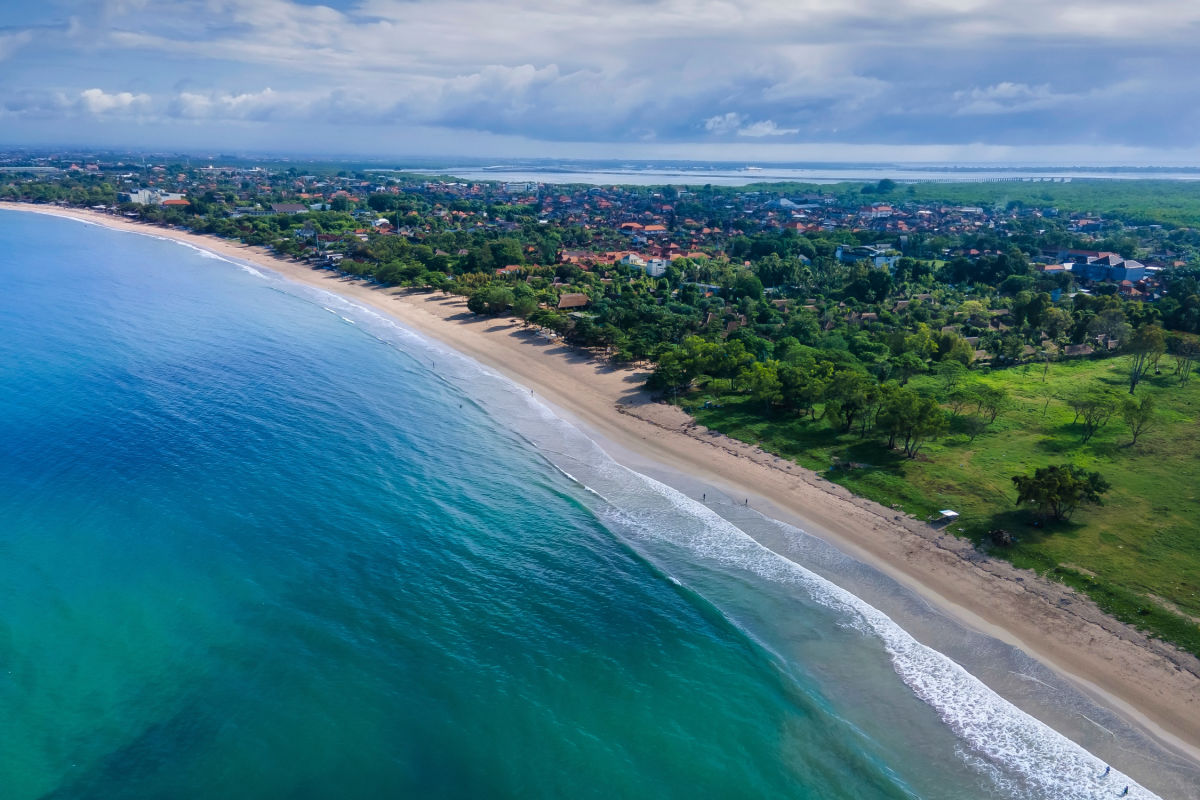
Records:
x=1124, y=792
x=1107, y=769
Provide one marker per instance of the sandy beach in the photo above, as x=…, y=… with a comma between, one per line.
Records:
x=1152, y=684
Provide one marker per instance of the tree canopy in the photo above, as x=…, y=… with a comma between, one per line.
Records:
x=1057, y=490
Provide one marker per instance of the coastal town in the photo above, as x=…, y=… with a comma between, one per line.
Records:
x=571, y=242
x=648, y=229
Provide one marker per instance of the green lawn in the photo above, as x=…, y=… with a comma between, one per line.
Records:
x=1137, y=555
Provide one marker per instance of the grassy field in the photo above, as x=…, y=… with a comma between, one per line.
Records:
x=1143, y=201
x=1137, y=555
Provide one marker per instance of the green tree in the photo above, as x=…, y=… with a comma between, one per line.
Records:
x=1058, y=490
x=747, y=285
x=848, y=395
x=961, y=397
x=761, y=381
x=930, y=423
x=1138, y=415
x=506, y=251
x=906, y=416
x=906, y=365
x=523, y=306
x=990, y=401
x=492, y=300
x=803, y=386
x=1095, y=406
x=1146, y=346
x=951, y=374
x=381, y=202
x=1185, y=350
x=972, y=426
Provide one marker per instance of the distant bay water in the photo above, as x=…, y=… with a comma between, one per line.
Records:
x=721, y=174
x=258, y=542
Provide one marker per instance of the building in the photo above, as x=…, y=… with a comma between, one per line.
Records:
x=1111, y=267
x=573, y=300
x=877, y=255
x=150, y=197
x=656, y=267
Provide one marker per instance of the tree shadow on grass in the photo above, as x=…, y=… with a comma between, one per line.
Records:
x=1114, y=380
x=1026, y=529
x=1110, y=449
x=873, y=455
x=1067, y=442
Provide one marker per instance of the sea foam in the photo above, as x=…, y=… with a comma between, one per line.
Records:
x=1023, y=755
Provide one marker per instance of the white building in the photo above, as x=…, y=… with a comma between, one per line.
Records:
x=152, y=197
x=654, y=267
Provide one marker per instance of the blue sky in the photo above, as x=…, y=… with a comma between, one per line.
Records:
x=965, y=80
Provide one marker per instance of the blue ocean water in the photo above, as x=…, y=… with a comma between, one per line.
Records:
x=256, y=542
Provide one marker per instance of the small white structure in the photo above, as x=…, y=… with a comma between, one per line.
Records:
x=947, y=516
x=654, y=267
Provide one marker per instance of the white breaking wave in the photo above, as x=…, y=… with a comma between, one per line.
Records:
x=205, y=253
x=202, y=251
x=1033, y=759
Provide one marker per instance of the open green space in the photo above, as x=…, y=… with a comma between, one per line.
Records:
x=1136, y=202
x=1137, y=554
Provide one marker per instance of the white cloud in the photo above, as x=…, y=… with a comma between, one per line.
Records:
x=1008, y=98
x=12, y=42
x=97, y=101
x=902, y=71
x=734, y=123
x=224, y=105
x=724, y=123
x=765, y=128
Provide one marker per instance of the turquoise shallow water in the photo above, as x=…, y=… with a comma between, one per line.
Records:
x=252, y=545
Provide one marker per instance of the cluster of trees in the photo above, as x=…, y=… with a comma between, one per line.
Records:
x=801, y=379
x=76, y=190
x=1057, y=490
x=1180, y=309
x=1096, y=406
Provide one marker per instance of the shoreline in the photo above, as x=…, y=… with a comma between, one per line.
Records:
x=1149, y=683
